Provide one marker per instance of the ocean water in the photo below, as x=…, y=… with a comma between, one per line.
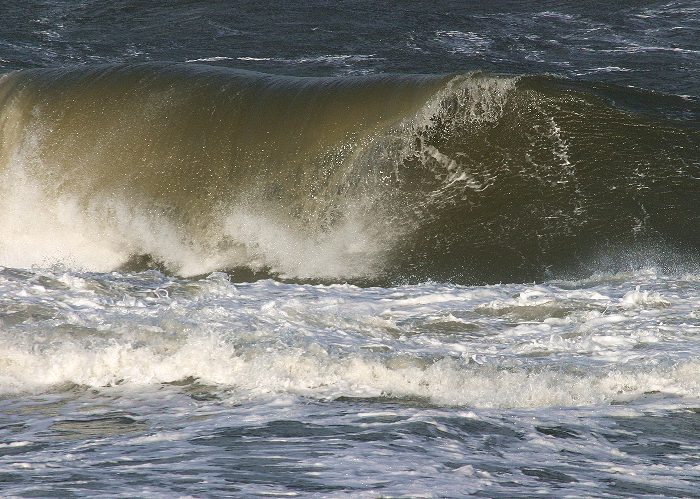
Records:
x=369, y=250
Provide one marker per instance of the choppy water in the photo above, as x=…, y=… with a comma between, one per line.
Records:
x=154, y=385
x=359, y=250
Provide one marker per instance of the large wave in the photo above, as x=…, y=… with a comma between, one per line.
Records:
x=470, y=177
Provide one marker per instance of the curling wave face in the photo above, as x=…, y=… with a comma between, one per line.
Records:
x=470, y=178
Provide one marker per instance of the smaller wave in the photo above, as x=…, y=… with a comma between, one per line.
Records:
x=217, y=59
x=315, y=373
x=598, y=341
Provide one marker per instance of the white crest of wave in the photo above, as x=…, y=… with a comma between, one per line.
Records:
x=42, y=227
x=640, y=298
x=313, y=372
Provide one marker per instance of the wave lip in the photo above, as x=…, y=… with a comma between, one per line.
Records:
x=469, y=178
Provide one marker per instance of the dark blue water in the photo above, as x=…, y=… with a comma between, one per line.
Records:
x=652, y=45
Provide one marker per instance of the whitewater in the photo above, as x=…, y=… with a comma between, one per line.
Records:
x=273, y=388
x=356, y=250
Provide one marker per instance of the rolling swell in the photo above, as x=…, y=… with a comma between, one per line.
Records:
x=468, y=178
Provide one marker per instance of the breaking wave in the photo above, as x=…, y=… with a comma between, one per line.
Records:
x=469, y=178
x=316, y=374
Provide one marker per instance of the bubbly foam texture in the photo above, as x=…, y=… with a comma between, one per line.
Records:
x=42, y=229
x=639, y=298
x=347, y=249
x=446, y=345
x=316, y=374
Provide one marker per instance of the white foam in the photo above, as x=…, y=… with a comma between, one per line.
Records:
x=15, y=444
x=314, y=372
x=41, y=227
x=639, y=298
x=349, y=249
x=213, y=59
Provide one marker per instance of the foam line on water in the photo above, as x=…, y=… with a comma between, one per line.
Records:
x=314, y=372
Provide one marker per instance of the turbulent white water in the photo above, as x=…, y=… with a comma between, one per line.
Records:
x=426, y=148
x=434, y=382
